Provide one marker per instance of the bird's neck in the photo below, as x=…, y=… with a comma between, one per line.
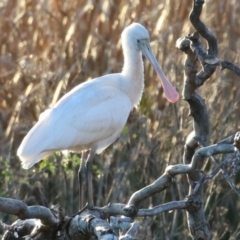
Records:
x=134, y=72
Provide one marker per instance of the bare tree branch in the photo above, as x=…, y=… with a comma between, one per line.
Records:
x=21, y=210
x=201, y=28
x=164, y=208
x=90, y=223
x=231, y=66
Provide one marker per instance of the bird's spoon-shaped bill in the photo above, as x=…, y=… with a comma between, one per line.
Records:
x=170, y=92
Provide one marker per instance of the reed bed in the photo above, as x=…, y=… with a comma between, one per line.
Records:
x=49, y=46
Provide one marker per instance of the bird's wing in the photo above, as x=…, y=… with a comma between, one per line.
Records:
x=99, y=118
x=82, y=117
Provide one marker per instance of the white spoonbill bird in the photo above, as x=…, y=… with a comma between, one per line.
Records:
x=93, y=114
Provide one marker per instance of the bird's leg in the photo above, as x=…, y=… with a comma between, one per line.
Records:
x=81, y=178
x=89, y=178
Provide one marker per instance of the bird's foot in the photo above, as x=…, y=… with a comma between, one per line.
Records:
x=86, y=207
x=93, y=208
x=80, y=211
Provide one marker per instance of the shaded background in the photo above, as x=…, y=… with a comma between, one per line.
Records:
x=49, y=46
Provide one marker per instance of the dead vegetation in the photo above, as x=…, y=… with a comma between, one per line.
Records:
x=47, y=47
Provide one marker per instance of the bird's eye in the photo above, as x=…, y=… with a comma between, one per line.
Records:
x=138, y=41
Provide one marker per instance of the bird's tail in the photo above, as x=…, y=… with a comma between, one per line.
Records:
x=32, y=149
x=34, y=146
x=29, y=161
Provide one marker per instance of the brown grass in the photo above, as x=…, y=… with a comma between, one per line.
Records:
x=48, y=47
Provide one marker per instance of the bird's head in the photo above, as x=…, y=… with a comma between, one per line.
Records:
x=135, y=36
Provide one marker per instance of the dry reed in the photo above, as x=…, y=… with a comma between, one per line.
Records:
x=48, y=47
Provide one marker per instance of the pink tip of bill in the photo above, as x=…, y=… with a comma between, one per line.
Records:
x=171, y=94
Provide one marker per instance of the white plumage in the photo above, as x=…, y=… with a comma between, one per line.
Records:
x=84, y=118
x=93, y=114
